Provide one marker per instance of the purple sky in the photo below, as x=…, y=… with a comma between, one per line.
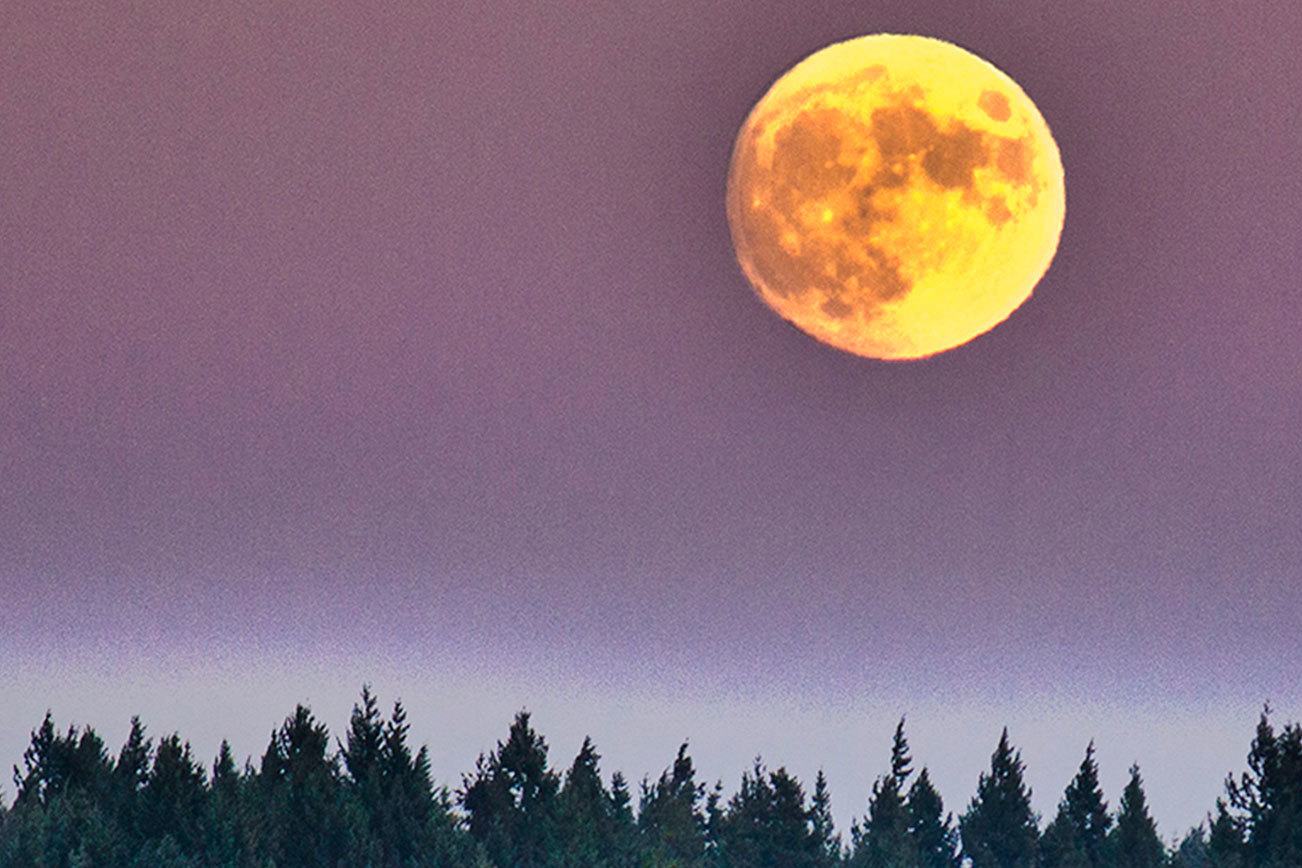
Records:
x=415, y=335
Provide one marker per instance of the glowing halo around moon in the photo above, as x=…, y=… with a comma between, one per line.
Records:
x=895, y=196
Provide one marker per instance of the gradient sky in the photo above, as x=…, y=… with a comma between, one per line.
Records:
x=410, y=341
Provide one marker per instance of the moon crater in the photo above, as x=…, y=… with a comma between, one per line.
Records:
x=891, y=207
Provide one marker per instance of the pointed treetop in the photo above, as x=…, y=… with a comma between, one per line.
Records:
x=999, y=828
x=583, y=780
x=132, y=767
x=826, y=838
x=931, y=828
x=901, y=762
x=397, y=753
x=1080, y=829
x=1137, y=842
x=619, y=786
x=223, y=768
x=587, y=756
x=363, y=743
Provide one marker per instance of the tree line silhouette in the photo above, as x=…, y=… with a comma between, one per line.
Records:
x=368, y=799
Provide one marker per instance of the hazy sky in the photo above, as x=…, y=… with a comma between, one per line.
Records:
x=410, y=341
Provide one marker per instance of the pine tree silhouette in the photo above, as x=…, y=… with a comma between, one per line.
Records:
x=1265, y=802
x=1135, y=843
x=767, y=822
x=882, y=840
x=596, y=828
x=301, y=803
x=174, y=798
x=226, y=834
x=627, y=845
x=1192, y=850
x=1225, y=843
x=130, y=774
x=932, y=830
x=999, y=829
x=671, y=815
x=825, y=834
x=511, y=800
x=63, y=811
x=1078, y=834
x=372, y=802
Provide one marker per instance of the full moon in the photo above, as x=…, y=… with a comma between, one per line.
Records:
x=895, y=196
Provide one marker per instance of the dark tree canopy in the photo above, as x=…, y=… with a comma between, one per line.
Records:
x=768, y=822
x=368, y=799
x=820, y=818
x=595, y=823
x=1078, y=835
x=511, y=800
x=1261, y=822
x=1135, y=842
x=999, y=829
x=932, y=830
x=672, y=817
x=882, y=840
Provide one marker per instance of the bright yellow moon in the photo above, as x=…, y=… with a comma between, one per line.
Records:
x=895, y=196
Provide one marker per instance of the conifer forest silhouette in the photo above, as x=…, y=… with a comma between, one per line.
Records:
x=367, y=798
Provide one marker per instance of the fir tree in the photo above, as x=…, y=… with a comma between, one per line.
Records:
x=932, y=830
x=363, y=747
x=511, y=800
x=882, y=840
x=1267, y=799
x=793, y=839
x=1135, y=842
x=1078, y=835
x=820, y=813
x=1192, y=851
x=226, y=838
x=63, y=811
x=55, y=764
x=303, y=821
x=671, y=816
x=1225, y=843
x=174, y=798
x=130, y=774
x=901, y=762
x=627, y=839
x=417, y=826
x=362, y=756
x=767, y=823
x=999, y=829
x=741, y=831
x=796, y=838
x=594, y=824
x=132, y=767
x=34, y=782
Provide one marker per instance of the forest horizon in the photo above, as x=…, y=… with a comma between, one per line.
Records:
x=368, y=797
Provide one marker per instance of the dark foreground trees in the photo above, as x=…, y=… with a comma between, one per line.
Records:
x=1078, y=835
x=999, y=829
x=906, y=826
x=367, y=799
